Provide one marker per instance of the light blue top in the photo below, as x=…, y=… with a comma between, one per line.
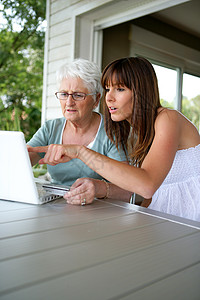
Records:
x=67, y=173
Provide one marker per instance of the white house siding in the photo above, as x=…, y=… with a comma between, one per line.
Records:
x=74, y=29
x=59, y=47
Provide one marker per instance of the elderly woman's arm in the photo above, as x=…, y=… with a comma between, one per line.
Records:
x=87, y=189
x=34, y=157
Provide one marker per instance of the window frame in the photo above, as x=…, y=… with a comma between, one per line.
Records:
x=166, y=53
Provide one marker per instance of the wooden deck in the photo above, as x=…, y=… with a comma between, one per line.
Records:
x=107, y=250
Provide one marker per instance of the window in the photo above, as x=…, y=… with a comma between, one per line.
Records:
x=191, y=98
x=174, y=65
x=190, y=101
x=167, y=85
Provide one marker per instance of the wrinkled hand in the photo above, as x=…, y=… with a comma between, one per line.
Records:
x=56, y=154
x=83, y=188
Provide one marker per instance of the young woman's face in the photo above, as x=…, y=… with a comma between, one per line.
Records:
x=119, y=100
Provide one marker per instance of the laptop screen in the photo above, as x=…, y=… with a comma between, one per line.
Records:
x=16, y=176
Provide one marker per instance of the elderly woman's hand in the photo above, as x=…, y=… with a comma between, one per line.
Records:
x=82, y=192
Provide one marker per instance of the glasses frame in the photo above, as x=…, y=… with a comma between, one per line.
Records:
x=72, y=94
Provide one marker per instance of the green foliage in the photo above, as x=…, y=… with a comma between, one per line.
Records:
x=164, y=103
x=10, y=120
x=39, y=170
x=21, y=65
x=190, y=109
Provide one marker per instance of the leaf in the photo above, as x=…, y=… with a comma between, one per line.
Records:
x=21, y=64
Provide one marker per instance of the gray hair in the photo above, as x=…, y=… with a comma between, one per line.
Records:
x=88, y=71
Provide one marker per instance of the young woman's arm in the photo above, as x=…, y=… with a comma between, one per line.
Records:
x=143, y=181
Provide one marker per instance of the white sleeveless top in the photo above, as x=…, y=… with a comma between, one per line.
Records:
x=179, y=193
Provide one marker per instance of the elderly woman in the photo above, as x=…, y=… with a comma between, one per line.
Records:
x=79, y=93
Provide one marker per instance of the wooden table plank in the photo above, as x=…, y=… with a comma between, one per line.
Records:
x=87, y=278
x=55, y=262
x=69, y=217
x=99, y=251
x=59, y=237
x=178, y=286
x=39, y=211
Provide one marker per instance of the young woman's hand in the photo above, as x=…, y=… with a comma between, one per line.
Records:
x=56, y=154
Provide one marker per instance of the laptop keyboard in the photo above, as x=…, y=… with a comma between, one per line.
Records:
x=44, y=195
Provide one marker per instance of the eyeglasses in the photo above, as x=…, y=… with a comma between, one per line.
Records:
x=77, y=96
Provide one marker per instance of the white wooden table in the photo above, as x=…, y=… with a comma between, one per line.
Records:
x=107, y=250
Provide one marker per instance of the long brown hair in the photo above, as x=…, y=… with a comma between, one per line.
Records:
x=138, y=75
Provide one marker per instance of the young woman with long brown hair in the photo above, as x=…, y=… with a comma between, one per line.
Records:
x=164, y=145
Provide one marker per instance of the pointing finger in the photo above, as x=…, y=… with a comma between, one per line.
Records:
x=38, y=149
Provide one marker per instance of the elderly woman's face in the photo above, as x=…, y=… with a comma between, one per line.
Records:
x=76, y=110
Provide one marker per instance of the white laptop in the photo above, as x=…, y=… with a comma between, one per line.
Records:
x=17, y=182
